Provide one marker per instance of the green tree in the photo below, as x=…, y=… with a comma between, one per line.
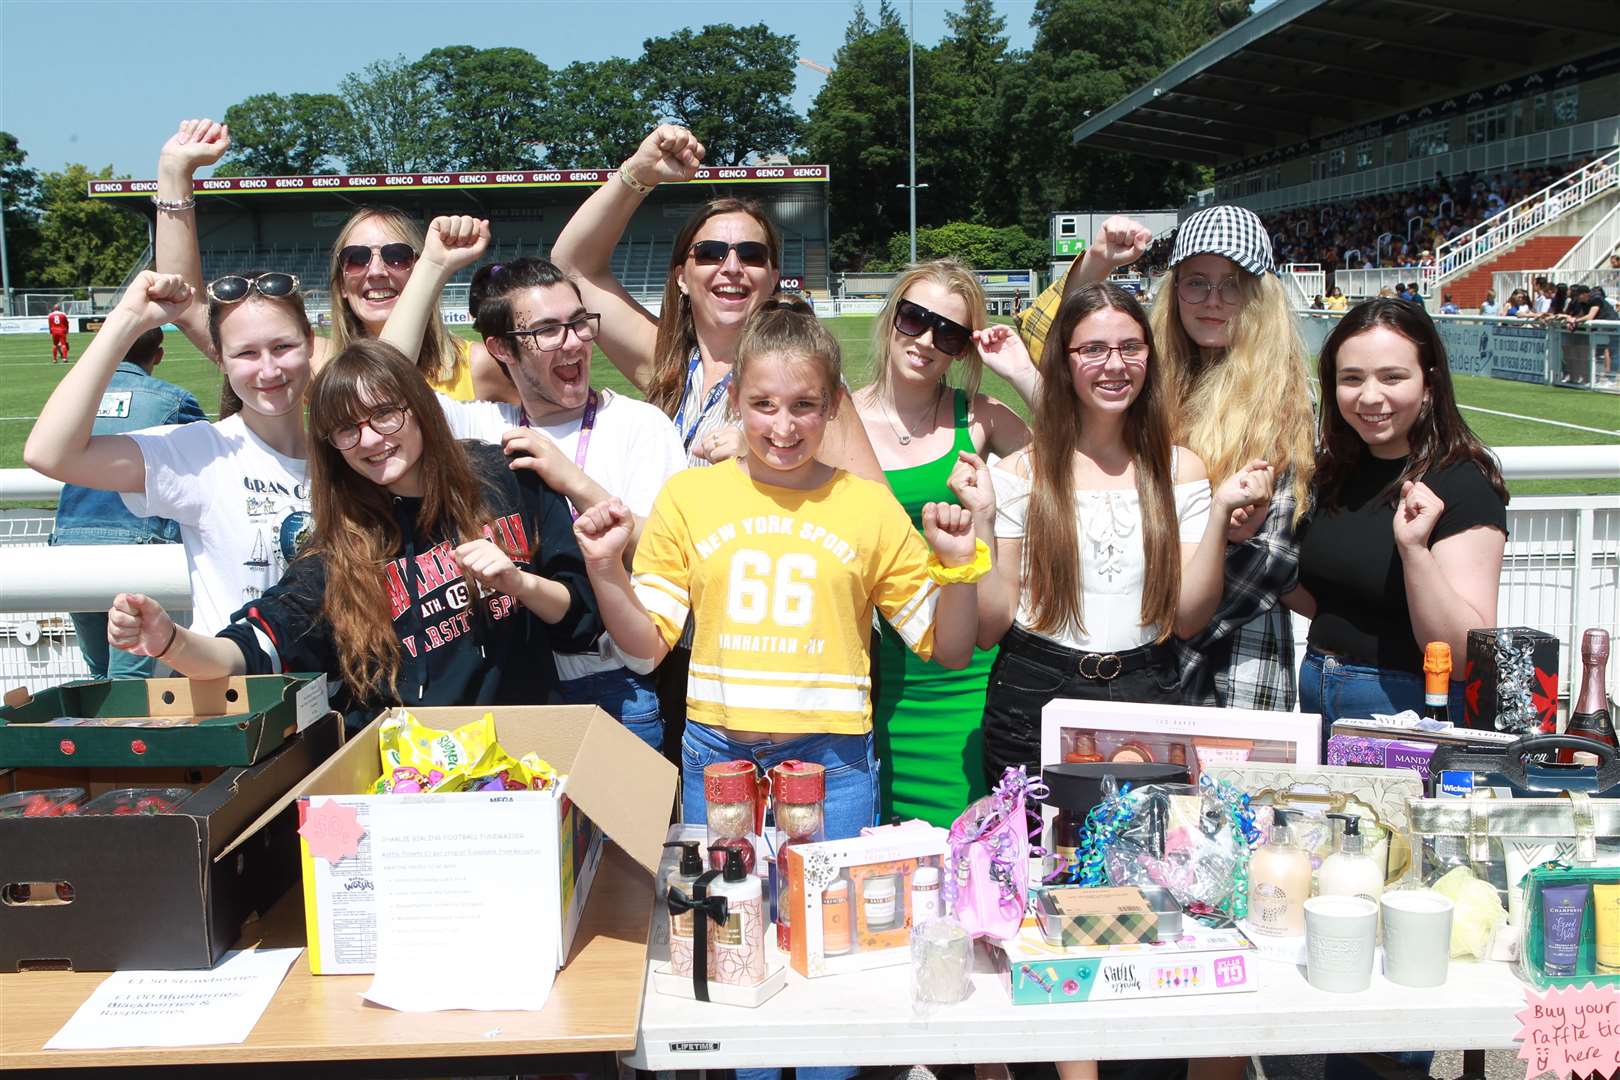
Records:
x=956, y=118
x=979, y=246
x=596, y=114
x=284, y=135
x=387, y=102
x=83, y=241
x=488, y=105
x=730, y=85
x=19, y=190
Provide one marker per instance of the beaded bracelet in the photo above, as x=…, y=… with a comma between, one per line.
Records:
x=187, y=203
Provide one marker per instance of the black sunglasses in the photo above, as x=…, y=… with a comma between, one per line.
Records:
x=950, y=336
x=358, y=256
x=714, y=252
x=234, y=287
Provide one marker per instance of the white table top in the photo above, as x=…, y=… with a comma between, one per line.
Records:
x=867, y=1019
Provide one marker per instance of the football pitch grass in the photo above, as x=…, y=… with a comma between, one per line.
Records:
x=1502, y=413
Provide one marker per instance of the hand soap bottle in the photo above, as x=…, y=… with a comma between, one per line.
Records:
x=737, y=946
x=1350, y=871
x=680, y=923
x=1279, y=881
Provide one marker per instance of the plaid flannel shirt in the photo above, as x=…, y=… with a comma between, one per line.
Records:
x=1245, y=657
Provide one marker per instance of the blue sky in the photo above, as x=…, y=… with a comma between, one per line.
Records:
x=122, y=74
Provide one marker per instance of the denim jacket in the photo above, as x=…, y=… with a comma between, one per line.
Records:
x=134, y=400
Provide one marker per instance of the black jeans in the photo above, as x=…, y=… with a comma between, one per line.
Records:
x=1031, y=670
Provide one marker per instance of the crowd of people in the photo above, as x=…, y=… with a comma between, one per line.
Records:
x=431, y=524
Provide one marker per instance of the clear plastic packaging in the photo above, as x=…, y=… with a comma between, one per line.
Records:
x=42, y=802
x=941, y=963
x=798, y=797
x=125, y=801
x=732, y=810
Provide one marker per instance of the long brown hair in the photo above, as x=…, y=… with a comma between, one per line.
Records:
x=355, y=530
x=677, y=335
x=1251, y=402
x=1051, y=570
x=1439, y=438
x=439, y=357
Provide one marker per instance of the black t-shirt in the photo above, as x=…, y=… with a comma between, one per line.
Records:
x=1349, y=564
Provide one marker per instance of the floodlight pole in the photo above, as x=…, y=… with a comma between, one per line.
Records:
x=5, y=263
x=911, y=108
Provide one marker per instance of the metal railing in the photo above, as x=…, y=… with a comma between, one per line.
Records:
x=1522, y=218
x=1358, y=284
x=1594, y=249
x=1503, y=282
x=1557, y=144
x=1304, y=281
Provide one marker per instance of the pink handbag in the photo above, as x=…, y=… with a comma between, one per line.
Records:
x=990, y=852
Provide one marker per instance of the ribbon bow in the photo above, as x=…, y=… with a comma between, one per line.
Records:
x=703, y=908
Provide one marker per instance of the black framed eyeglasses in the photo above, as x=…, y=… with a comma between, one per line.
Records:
x=550, y=337
x=396, y=256
x=950, y=336
x=384, y=420
x=1095, y=353
x=1197, y=290
x=714, y=252
x=235, y=287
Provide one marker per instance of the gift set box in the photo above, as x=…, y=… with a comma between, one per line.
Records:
x=612, y=783
x=1185, y=735
x=1510, y=681
x=1200, y=961
x=853, y=902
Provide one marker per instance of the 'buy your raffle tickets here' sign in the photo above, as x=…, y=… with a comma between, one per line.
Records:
x=1570, y=1031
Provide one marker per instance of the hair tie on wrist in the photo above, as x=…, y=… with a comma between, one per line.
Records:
x=967, y=573
x=174, y=632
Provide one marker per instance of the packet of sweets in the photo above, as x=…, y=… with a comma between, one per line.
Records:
x=404, y=742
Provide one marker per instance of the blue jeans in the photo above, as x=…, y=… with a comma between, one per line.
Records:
x=104, y=661
x=851, y=804
x=624, y=695
x=1340, y=689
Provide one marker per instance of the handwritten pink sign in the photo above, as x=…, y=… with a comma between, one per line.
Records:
x=1570, y=1030
x=332, y=830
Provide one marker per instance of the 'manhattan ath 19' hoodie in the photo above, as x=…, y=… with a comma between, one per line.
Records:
x=454, y=649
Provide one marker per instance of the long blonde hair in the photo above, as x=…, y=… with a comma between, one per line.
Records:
x=677, y=334
x=1252, y=401
x=954, y=277
x=1051, y=571
x=438, y=358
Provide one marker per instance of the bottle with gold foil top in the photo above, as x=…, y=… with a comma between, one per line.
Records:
x=1591, y=715
x=1436, y=680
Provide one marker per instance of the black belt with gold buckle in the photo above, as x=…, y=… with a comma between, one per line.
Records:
x=1104, y=666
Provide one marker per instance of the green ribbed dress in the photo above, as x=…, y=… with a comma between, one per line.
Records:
x=926, y=717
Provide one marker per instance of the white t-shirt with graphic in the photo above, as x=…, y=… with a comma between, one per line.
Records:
x=633, y=449
x=243, y=510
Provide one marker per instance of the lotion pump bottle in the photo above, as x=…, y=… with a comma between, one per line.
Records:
x=683, y=877
x=737, y=946
x=1279, y=882
x=1350, y=871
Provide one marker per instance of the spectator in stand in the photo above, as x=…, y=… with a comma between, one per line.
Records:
x=1386, y=293
x=1318, y=304
x=1560, y=299
x=1488, y=307
x=1519, y=306
x=1544, y=296
x=1448, y=306
x=133, y=400
x=1336, y=300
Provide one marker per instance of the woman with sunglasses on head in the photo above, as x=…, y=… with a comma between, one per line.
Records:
x=435, y=575
x=372, y=259
x=237, y=487
x=928, y=719
x=1108, y=539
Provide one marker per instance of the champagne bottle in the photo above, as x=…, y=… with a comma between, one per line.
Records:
x=1436, y=680
x=1591, y=715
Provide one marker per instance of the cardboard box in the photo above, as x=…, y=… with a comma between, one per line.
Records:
x=156, y=722
x=1176, y=734
x=1510, y=680
x=1201, y=961
x=166, y=891
x=1381, y=753
x=873, y=876
x=612, y=783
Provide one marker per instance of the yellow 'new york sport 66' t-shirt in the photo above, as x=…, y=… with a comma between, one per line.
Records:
x=782, y=584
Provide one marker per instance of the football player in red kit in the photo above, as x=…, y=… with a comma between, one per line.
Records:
x=59, y=331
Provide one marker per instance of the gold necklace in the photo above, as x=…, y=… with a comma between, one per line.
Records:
x=906, y=436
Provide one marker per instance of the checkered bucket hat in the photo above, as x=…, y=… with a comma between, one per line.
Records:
x=1231, y=231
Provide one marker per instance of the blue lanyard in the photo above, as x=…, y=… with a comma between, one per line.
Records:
x=690, y=433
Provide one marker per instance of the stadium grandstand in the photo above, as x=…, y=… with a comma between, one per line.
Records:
x=1443, y=142
x=288, y=223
